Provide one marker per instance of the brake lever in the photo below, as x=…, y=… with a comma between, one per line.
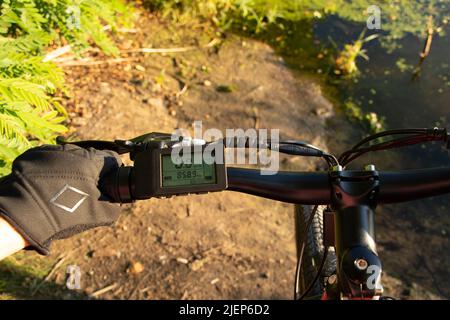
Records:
x=119, y=146
x=124, y=146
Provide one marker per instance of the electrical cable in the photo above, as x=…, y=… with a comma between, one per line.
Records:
x=410, y=137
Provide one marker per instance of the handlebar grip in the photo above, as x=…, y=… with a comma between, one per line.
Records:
x=118, y=185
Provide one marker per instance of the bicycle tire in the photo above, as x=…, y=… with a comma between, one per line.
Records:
x=314, y=250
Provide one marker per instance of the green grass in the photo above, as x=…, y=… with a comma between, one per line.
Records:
x=22, y=277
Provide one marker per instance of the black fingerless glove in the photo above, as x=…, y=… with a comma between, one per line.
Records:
x=53, y=193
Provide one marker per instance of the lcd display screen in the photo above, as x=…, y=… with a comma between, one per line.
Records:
x=174, y=175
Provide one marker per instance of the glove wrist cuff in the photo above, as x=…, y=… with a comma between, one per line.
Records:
x=32, y=243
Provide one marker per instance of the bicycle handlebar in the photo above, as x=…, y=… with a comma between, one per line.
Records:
x=309, y=188
x=293, y=187
x=401, y=186
x=313, y=188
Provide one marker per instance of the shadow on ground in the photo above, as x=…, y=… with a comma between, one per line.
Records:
x=18, y=283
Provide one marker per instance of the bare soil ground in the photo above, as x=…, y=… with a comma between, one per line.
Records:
x=216, y=246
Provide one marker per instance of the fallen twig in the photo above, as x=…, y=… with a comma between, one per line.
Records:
x=71, y=62
x=426, y=49
x=161, y=50
x=89, y=62
x=182, y=91
x=430, y=30
x=103, y=290
x=57, y=53
x=172, y=50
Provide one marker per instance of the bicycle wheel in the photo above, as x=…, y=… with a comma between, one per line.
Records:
x=314, y=250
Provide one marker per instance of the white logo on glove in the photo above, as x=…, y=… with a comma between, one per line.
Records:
x=68, y=188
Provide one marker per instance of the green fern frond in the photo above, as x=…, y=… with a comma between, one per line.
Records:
x=18, y=89
x=29, y=113
x=12, y=128
x=43, y=127
x=10, y=149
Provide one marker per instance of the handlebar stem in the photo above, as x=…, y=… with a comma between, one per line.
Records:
x=354, y=198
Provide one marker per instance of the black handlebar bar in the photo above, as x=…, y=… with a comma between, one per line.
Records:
x=311, y=188
x=407, y=185
x=293, y=187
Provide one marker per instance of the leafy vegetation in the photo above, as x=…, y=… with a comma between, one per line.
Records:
x=346, y=60
x=354, y=112
x=397, y=17
x=30, y=114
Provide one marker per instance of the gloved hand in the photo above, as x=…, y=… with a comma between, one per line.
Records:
x=53, y=193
